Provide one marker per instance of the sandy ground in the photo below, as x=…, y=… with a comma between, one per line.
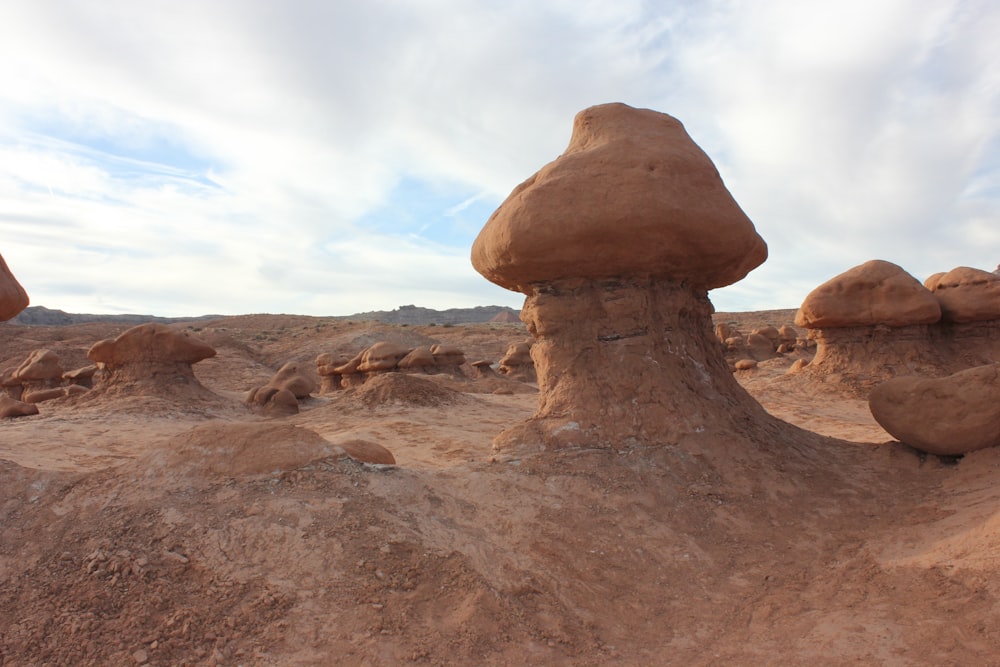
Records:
x=121, y=543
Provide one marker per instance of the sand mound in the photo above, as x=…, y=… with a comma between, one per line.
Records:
x=240, y=449
x=400, y=388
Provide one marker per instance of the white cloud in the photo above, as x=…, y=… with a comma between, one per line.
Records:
x=189, y=157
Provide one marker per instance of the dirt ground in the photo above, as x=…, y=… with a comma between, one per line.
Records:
x=148, y=530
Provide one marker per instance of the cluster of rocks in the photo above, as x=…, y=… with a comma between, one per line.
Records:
x=386, y=357
x=744, y=351
x=40, y=377
x=148, y=359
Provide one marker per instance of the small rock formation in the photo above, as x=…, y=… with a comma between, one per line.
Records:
x=381, y=357
x=615, y=245
x=484, y=369
x=83, y=377
x=947, y=416
x=281, y=395
x=11, y=408
x=387, y=357
x=366, y=451
x=40, y=376
x=328, y=367
x=517, y=363
x=13, y=298
x=151, y=358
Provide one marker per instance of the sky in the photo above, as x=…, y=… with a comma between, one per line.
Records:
x=326, y=157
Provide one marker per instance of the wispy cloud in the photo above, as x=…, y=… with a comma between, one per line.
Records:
x=327, y=158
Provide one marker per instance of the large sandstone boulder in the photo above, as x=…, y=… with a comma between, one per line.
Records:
x=951, y=415
x=615, y=244
x=13, y=298
x=967, y=294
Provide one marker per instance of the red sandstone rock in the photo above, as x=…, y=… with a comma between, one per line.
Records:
x=951, y=415
x=40, y=366
x=968, y=295
x=13, y=298
x=280, y=395
x=876, y=292
x=616, y=244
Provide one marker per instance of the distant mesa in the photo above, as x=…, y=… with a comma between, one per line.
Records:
x=623, y=350
x=13, y=298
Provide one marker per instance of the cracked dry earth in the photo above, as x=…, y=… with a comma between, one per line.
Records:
x=113, y=552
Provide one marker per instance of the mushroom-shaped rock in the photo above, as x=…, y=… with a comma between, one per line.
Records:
x=13, y=298
x=948, y=416
x=870, y=323
x=615, y=244
x=517, y=363
x=381, y=357
x=876, y=292
x=328, y=367
x=153, y=355
x=968, y=295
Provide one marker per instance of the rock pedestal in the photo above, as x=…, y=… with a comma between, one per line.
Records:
x=624, y=363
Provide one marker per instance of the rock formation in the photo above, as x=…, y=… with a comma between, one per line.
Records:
x=150, y=358
x=283, y=391
x=876, y=321
x=41, y=371
x=328, y=367
x=870, y=323
x=11, y=408
x=624, y=351
x=951, y=415
x=516, y=363
x=13, y=298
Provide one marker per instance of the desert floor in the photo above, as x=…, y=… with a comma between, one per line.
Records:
x=154, y=530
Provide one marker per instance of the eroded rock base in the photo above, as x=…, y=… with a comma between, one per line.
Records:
x=623, y=364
